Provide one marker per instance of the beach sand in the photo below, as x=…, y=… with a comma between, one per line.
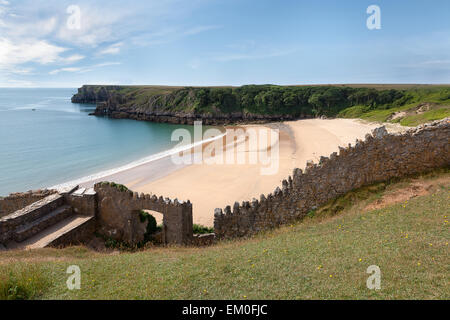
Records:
x=210, y=186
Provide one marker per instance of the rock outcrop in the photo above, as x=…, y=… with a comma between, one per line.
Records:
x=94, y=94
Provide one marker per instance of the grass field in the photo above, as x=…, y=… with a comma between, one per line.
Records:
x=324, y=257
x=437, y=99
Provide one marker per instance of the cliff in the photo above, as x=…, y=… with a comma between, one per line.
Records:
x=167, y=104
x=252, y=103
x=94, y=94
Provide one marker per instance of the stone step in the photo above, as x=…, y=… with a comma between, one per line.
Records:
x=32, y=212
x=32, y=228
x=79, y=192
x=53, y=234
x=65, y=190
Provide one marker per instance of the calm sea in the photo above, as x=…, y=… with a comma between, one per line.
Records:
x=46, y=140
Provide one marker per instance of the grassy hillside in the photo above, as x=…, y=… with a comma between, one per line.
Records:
x=323, y=257
x=407, y=104
x=419, y=105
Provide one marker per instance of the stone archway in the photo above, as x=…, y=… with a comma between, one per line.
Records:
x=155, y=225
x=118, y=215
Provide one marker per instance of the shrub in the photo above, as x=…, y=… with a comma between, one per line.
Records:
x=152, y=226
x=199, y=229
x=311, y=213
x=119, y=187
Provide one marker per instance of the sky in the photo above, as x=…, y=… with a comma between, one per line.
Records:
x=58, y=43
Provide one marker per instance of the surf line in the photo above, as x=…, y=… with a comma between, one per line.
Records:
x=146, y=160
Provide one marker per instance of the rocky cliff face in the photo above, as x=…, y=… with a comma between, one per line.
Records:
x=94, y=94
x=115, y=102
x=115, y=110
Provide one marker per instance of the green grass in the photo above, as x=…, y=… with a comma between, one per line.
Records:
x=324, y=257
x=431, y=115
x=21, y=281
x=366, y=101
x=438, y=96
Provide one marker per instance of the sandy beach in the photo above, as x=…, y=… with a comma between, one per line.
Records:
x=210, y=186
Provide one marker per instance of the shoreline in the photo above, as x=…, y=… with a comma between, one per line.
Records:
x=160, y=157
x=217, y=185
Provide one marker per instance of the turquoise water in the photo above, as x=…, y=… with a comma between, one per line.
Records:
x=46, y=140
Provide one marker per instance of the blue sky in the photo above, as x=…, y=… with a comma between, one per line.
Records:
x=222, y=42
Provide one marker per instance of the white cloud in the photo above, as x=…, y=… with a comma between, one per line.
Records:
x=167, y=35
x=34, y=33
x=23, y=27
x=437, y=62
x=74, y=58
x=64, y=70
x=83, y=69
x=13, y=83
x=97, y=25
x=21, y=71
x=112, y=49
x=32, y=50
x=252, y=56
x=199, y=29
x=15, y=54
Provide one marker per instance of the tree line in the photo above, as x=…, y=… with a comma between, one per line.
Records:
x=296, y=101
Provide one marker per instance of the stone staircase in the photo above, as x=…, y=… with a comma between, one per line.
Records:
x=49, y=222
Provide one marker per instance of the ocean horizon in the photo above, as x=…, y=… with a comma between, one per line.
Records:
x=46, y=140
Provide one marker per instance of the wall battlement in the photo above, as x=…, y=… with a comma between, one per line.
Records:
x=17, y=201
x=380, y=157
x=74, y=215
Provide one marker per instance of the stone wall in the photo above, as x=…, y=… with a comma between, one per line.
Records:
x=201, y=240
x=77, y=236
x=380, y=157
x=17, y=201
x=21, y=217
x=83, y=203
x=118, y=215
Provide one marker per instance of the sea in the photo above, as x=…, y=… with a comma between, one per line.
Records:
x=46, y=141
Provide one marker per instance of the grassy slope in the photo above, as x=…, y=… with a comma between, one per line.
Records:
x=423, y=94
x=324, y=257
x=439, y=95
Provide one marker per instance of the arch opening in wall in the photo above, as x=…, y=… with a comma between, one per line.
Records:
x=155, y=226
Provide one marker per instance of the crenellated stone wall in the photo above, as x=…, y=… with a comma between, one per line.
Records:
x=107, y=209
x=118, y=215
x=381, y=156
x=17, y=201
